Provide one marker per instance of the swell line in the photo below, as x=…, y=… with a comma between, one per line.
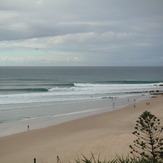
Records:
x=129, y=82
x=25, y=90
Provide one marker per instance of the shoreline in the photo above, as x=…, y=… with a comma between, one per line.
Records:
x=87, y=108
x=105, y=134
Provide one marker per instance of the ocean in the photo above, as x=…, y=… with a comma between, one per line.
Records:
x=24, y=90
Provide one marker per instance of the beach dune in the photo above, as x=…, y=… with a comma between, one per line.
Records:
x=106, y=134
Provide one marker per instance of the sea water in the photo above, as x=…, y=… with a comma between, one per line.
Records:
x=32, y=92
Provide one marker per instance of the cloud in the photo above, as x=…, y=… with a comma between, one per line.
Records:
x=46, y=59
x=86, y=32
x=28, y=19
x=77, y=38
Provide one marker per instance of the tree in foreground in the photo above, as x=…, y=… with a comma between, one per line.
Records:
x=149, y=142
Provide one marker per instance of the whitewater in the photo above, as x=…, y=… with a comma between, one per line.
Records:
x=73, y=92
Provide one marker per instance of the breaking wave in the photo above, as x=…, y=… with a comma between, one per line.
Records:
x=76, y=91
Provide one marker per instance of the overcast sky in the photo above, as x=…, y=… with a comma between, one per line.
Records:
x=81, y=32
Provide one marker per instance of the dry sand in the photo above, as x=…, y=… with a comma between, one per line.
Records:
x=106, y=135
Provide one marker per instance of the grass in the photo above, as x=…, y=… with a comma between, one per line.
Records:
x=117, y=159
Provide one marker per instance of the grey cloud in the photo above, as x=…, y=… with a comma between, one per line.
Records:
x=99, y=28
x=45, y=18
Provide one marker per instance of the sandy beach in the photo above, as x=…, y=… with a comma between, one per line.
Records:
x=105, y=134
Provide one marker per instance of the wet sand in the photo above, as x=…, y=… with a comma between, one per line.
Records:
x=45, y=116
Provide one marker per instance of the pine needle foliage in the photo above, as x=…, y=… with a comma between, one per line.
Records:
x=117, y=159
x=149, y=142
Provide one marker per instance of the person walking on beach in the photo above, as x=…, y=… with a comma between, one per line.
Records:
x=113, y=105
x=58, y=159
x=28, y=127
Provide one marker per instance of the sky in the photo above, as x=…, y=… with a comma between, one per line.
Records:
x=81, y=33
